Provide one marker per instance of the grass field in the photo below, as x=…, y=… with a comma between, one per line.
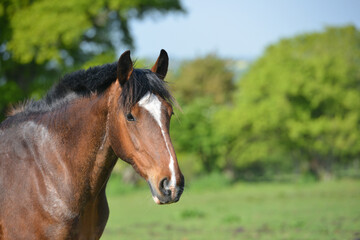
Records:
x=326, y=210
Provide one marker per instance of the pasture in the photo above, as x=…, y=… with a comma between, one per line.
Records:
x=325, y=210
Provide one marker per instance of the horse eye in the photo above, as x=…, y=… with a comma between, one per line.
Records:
x=130, y=117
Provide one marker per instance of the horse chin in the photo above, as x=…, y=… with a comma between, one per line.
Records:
x=153, y=193
x=160, y=200
x=156, y=200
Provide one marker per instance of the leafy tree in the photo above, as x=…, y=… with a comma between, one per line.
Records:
x=201, y=86
x=193, y=132
x=300, y=102
x=209, y=76
x=39, y=39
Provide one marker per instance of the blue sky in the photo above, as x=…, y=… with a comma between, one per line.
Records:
x=237, y=28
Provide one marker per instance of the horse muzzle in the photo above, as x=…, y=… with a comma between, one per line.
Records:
x=163, y=193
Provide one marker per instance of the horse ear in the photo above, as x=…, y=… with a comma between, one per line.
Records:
x=161, y=65
x=124, y=67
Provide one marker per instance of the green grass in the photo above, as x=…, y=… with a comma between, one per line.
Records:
x=326, y=210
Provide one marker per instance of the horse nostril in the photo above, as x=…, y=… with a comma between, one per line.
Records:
x=164, y=188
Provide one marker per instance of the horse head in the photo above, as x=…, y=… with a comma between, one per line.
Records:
x=139, y=120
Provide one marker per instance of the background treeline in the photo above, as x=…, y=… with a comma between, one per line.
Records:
x=293, y=112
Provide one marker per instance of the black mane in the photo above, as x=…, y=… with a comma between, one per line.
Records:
x=96, y=80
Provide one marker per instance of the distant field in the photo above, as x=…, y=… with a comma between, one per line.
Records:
x=327, y=210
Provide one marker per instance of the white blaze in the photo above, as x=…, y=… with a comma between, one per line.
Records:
x=153, y=105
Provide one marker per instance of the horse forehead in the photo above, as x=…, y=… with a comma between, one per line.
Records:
x=152, y=104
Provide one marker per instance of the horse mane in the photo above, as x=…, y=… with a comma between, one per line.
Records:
x=96, y=80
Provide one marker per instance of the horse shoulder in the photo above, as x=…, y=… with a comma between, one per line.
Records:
x=31, y=175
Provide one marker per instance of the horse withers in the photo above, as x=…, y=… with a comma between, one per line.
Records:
x=56, y=154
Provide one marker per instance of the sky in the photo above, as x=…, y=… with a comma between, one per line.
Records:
x=238, y=29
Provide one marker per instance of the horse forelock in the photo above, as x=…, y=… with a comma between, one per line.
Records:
x=141, y=82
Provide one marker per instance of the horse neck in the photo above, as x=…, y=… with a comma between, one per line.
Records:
x=82, y=130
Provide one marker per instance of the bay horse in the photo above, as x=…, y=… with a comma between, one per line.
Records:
x=56, y=154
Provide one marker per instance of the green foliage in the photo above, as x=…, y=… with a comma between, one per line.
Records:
x=99, y=60
x=10, y=93
x=209, y=76
x=201, y=86
x=194, y=132
x=299, y=102
x=40, y=40
x=41, y=30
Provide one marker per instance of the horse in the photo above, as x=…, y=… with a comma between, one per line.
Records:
x=57, y=153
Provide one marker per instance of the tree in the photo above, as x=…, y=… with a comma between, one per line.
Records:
x=201, y=86
x=39, y=39
x=300, y=102
x=209, y=76
x=193, y=132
